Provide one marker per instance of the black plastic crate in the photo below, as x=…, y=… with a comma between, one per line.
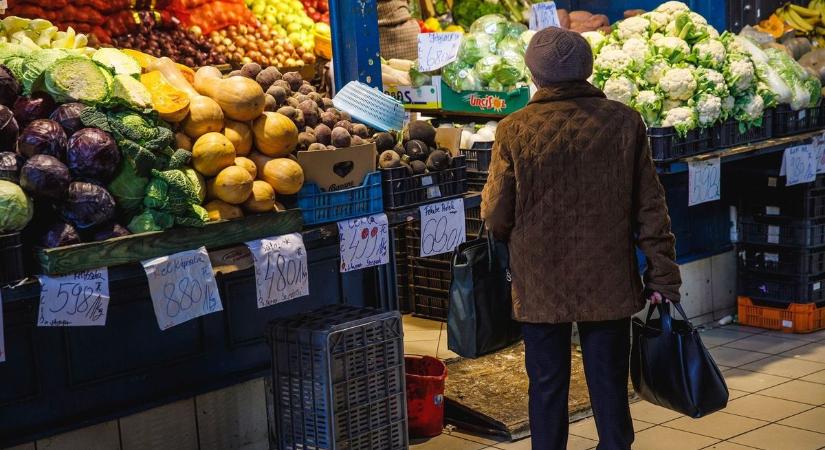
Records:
x=666, y=144
x=473, y=219
x=729, y=134
x=782, y=288
x=479, y=156
x=763, y=193
x=781, y=231
x=402, y=268
x=11, y=258
x=782, y=260
x=338, y=375
x=431, y=306
x=788, y=122
x=476, y=181
x=402, y=190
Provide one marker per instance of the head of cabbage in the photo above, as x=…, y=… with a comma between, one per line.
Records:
x=16, y=208
x=476, y=46
x=511, y=69
x=494, y=25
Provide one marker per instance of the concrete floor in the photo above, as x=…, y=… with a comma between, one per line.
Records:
x=776, y=381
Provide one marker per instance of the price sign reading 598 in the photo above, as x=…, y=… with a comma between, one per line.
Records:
x=78, y=299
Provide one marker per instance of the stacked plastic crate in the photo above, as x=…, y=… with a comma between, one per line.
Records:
x=781, y=251
x=478, y=165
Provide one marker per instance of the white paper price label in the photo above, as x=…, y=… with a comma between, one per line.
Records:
x=819, y=145
x=799, y=164
x=74, y=300
x=364, y=242
x=442, y=227
x=436, y=50
x=704, y=181
x=2, y=338
x=773, y=234
x=543, y=15
x=182, y=287
x=281, y=271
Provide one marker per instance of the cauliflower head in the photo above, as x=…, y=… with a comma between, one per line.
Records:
x=649, y=104
x=697, y=18
x=710, y=53
x=748, y=110
x=668, y=104
x=708, y=109
x=682, y=118
x=654, y=70
x=596, y=39
x=672, y=9
x=739, y=73
x=637, y=49
x=728, y=105
x=633, y=27
x=672, y=49
x=620, y=88
x=611, y=60
x=711, y=81
x=678, y=84
x=658, y=21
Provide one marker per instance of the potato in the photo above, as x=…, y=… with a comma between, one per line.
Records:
x=580, y=16
x=633, y=13
x=564, y=18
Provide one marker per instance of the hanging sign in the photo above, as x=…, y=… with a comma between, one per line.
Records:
x=704, y=181
x=364, y=242
x=436, y=50
x=2, y=338
x=182, y=287
x=281, y=271
x=799, y=164
x=74, y=300
x=543, y=15
x=443, y=227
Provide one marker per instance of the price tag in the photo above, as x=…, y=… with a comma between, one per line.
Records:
x=182, y=287
x=704, y=181
x=543, y=15
x=773, y=234
x=442, y=227
x=281, y=270
x=364, y=242
x=799, y=164
x=2, y=338
x=819, y=144
x=74, y=300
x=436, y=50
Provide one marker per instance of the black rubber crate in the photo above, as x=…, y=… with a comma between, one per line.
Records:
x=782, y=260
x=788, y=122
x=666, y=144
x=476, y=181
x=338, y=375
x=473, y=219
x=479, y=156
x=729, y=133
x=430, y=278
x=763, y=194
x=402, y=190
x=402, y=268
x=782, y=288
x=782, y=231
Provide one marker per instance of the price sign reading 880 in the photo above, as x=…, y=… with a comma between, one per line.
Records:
x=281, y=271
x=182, y=287
x=364, y=242
x=78, y=299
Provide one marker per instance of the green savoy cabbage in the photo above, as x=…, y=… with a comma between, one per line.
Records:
x=16, y=208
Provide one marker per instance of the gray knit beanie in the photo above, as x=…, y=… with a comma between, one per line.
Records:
x=555, y=55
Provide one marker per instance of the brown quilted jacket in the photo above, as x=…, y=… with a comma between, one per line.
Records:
x=573, y=189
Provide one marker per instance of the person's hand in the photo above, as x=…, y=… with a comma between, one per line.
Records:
x=656, y=298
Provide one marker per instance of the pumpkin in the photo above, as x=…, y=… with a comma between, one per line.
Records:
x=220, y=210
x=205, y=116
x=247, y=164
x=275, y=134
x=212, y=153
x=260, y=160
x=241, y=98
x=241, y=136
x=262, y=199
x=233, y=185
x=284, y=175
x=145, y=60
x=171, y=103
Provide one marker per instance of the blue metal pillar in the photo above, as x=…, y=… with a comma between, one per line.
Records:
x=355, y=45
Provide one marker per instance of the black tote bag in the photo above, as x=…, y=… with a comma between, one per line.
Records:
x=670, y=366
x=480, y=315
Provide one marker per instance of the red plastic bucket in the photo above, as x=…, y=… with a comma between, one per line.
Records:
x=425, y=395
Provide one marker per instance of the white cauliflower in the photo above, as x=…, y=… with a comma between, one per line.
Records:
x=668, y=104
x=708, y=109
x=749, y=109
x=728, y=104
x=739, y=73
x=637, y=49
x=672, y=9
x=654, y=71
x=697, y=18
x=681, y=118
x=649, y=104
x=633, y=27
x=678, y=84
x=672, y=49
x=611, y=60
x=711, y=81
x=620, y=88
x=596, y=39
x=658, y=21
x=712, y=32
x=656, y=37
x=710, y=53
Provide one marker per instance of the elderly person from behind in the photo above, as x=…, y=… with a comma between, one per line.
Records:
x=573, y=191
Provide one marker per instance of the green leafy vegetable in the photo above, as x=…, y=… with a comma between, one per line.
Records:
x=118, y=62
x=79, y=79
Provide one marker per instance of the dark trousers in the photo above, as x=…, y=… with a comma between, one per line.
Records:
x=606, y=354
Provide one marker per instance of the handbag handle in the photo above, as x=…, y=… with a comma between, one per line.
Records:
x=665, y=317
x=491, y=248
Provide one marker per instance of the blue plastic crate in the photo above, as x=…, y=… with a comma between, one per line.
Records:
x=323, y=207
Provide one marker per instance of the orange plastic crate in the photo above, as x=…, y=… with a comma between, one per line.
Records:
x=796, y=318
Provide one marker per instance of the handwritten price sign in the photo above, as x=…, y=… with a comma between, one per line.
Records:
x=281, y=271
x=442, y=227
x=436, y=50
x=78, y=299
x=543, y=15
x=364, y=242
x=2, y=339
x=800, y=164
x=704, y=181
x=182, y=287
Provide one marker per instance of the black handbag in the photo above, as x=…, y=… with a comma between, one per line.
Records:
x=480, y=315
x=670, y=366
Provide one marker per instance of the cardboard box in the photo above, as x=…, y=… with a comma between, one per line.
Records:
x=334, y=170
x=449, y=138
x=484, y=102
x=426, y=97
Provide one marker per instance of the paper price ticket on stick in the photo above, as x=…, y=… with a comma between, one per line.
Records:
x=281, y=270
x=182, y=287
x=364, y=242
x=543, y=15
x=443, y=227
x=436, y=50
x=77, y=299
x=704, y=181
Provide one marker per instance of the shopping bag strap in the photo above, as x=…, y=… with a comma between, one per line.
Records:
x=665, y=318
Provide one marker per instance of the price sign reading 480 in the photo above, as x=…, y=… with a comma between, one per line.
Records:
x=78, y=299
x=281, y=271
x=364, y=242
x=182, y=287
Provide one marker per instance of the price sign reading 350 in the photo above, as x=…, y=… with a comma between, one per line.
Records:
x=78, y=299
x=442, y=227
x=364, y=242
x=182, y=287
x=281, y=271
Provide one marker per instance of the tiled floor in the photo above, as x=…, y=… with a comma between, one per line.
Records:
x=776, y=381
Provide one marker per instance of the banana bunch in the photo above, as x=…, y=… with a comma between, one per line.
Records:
x=806, y=20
